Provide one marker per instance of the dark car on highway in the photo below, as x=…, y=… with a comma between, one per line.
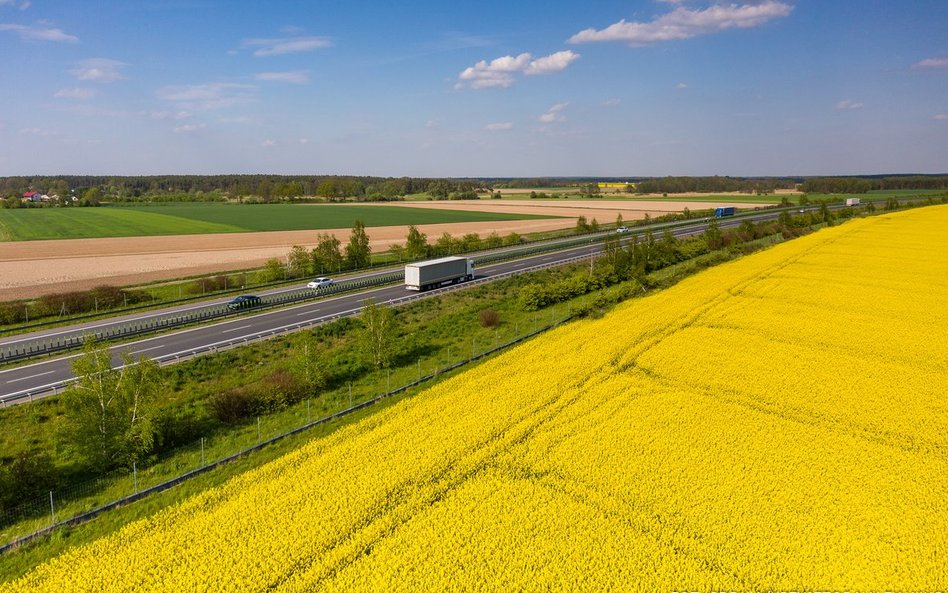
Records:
x=244, y=301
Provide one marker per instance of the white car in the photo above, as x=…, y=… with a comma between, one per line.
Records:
x=319, y=283
x=622, y=229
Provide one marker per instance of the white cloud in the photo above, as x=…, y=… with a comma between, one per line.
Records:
x=931, y=64
x=99, y=70
x=681, y=86
x=208, y=97
x=76, y=93
x=432, y=124
x=268, y=143
x=554, y=113
x=286, y=45
x=611, y=102
x=499, y=126
x=496, y=73
x=551, y=63
x=683, y=23
x=163, y=115
x=189, y=128
x=304, y=140
x=292, y=77
x=39, y=33
x=941, y=117
x=37, y=132
x=499, y=72
x=847, y=104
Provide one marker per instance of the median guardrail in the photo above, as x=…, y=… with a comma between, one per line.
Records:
x=68, y=341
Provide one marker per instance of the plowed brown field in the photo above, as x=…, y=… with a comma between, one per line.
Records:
x=32, y=268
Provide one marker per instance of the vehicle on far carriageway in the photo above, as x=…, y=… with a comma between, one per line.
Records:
x=438, y=272
x=724, y=211
x=244, y=301
x=320, y=282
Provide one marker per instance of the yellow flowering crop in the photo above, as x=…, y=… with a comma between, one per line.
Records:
x=779, y=422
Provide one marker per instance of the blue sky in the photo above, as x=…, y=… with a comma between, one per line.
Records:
x=634, y=88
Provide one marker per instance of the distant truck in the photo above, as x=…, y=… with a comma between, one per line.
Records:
x=438, y=272
x=852, y=201
x=719, y=212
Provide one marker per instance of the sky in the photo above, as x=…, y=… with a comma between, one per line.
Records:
x=479, y=89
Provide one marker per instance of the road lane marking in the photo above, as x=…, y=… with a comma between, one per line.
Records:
x=233, y=329
x=145, y=350
x=30, y=377
x=306, y=312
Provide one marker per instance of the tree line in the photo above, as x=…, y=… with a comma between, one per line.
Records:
x=216, y=187
x=713, y=184
x=275, y=188
x=858, y=185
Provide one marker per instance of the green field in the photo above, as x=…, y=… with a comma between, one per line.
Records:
x=189, y=219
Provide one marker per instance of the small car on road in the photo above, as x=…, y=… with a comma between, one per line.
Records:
x=622, y=229
x=244, y=301
x=320, y=282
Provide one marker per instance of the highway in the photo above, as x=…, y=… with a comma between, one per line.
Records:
x=30, y=381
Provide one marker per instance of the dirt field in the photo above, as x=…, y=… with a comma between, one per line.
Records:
x=32, y=268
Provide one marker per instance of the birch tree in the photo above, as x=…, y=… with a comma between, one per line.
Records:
x=111, y=412
x=377, y=339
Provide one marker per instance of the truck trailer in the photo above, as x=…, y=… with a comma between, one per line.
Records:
x=852, y=201
x=438, y=272
x=728, y=211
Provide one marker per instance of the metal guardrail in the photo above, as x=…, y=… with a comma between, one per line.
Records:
x=45, y=346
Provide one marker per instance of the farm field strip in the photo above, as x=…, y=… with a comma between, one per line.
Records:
x=185, y=219
x=701, y=438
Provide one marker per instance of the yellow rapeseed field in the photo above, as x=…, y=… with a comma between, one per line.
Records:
x=779, y=422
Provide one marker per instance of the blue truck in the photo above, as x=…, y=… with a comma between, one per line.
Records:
x=720, y=212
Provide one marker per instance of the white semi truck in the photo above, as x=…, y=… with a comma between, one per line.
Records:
x=438, y=272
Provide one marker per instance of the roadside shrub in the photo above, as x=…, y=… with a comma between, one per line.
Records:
x=284, y=387
x=27, y=476
x=512, y=239
x=136, y=296
x=233, y=405
x=107, y=297
x=11, y=313
x=71, y=303
x=267, y=395
x=64, y=303
x=489, y=318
